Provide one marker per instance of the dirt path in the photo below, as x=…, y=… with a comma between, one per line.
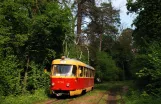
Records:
x=112, y=97
x=90, y=99
x=114, y=93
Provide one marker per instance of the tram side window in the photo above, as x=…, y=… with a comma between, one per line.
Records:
x=87, y=74
x=84, y=72
x=81, y=71
x=92, y=73
x=74, y=71
x=54, y=70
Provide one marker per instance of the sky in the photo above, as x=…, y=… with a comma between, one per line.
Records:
x=126, y=20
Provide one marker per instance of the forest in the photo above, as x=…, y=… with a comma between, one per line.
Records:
x=34, y=32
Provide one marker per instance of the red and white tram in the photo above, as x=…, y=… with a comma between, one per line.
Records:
x=71, y=77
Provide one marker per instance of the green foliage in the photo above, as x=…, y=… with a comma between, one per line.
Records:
x=39, y=95
x=14, y=24
x=104, y=18
x=37, y=78
x=122, y=54
x=10, y=76
x=135, y=97
x=106, y=68
x=150, y=72
x=31, y=34
x=49, y=31
x=104, y=21
x=147, y=22
x=147, y=40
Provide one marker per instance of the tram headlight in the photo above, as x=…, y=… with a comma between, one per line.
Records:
x=68, y=84
x=52, y=84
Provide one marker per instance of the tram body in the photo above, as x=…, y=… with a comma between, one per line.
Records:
x=71, y=77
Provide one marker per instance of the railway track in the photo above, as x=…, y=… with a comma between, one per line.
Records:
x=113, y=94
x=105, y=93
x=59, y=101
x=110, y=96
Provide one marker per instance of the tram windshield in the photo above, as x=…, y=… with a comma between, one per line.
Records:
x=62, y=70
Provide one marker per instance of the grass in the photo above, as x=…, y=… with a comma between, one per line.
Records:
x=133, y=96
x=101, y=89
x=136, y=97
x=39, y=95
x=113, y=85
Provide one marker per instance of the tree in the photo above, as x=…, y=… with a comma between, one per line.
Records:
x=49, y=28
x=149, y=69
x=102, y=27
x=147, y=22
x=14, y=27
x=147, y=41
x=32, y=32
x=122, y=52
x=106, y=67
x=10, y=78
x=104, y=20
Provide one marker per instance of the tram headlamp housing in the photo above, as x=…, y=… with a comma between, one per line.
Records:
x=52, y=84
x=68, y=84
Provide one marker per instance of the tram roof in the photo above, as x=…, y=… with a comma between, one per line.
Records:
x=71, y=62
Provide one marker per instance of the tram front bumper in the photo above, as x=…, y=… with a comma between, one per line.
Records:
x=60, y=93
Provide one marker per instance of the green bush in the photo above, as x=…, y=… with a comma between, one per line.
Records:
x=38, y=96
x=135, y=97
x=37, y=78
x=149, y=72
x=9, y=76
x=106, y=68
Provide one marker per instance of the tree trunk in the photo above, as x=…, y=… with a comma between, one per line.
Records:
x=123, y=70
x=79, y=22
x=25, y=76
x=100, y=43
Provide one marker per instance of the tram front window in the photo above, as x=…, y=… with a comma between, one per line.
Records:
x=62, y=70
